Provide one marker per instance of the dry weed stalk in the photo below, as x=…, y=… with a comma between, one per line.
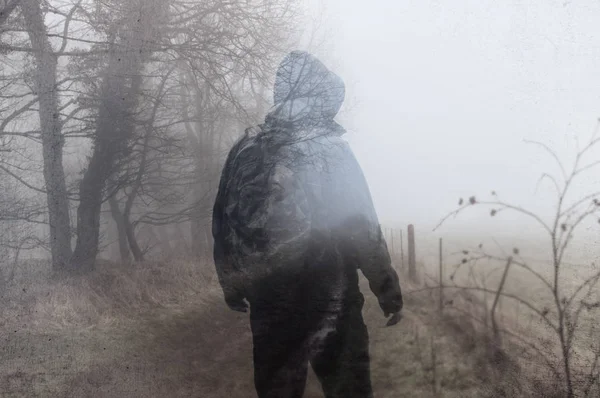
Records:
x=564, y=315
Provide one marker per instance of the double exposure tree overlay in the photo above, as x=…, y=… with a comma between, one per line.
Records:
x=150, y=90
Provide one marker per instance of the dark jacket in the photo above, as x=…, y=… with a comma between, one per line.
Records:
x=293, y=184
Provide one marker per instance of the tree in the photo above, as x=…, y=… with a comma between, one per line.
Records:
x=94, y=89
x=135, y=38
x=212, y=104
x=45, y=95
x=570, y=304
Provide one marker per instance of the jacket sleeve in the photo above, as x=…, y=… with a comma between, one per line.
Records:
x=364, y=238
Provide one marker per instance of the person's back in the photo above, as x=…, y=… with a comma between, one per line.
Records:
x=293, y=222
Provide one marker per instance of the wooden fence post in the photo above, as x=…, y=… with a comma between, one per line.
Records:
x=497, y=336
x=392, y=241
x=402, y=251
x=412, y=266
x=441, y=280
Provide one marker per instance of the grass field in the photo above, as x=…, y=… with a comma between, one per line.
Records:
x=162, y=330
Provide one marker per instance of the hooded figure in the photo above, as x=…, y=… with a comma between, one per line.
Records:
x=293, y=222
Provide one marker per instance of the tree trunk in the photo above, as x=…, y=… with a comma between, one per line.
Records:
x=121, y=87
x=202, y=138
x=88, y=217
x=138, y=255
x=113, y=132
x=129, y=229
x=121, y=229
x=165, y=239
x=127, y=242
x=195, y=141
x=120, y=90
x=52, y=138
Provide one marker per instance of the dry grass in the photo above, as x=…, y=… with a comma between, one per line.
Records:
x=522, y=328
x=110, y=295
x=161, y=329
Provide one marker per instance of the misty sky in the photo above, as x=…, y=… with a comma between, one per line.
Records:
x=442, y=94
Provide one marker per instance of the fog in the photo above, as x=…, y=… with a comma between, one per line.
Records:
x=441, y=97
x=168, y=168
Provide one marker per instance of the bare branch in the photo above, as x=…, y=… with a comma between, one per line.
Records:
x=7, y=10
x=552, y=153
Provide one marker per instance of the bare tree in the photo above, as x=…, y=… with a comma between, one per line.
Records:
x=180, y=172
x=45, y=82
x=94, y=90
x=569, y=305
x=134, y=41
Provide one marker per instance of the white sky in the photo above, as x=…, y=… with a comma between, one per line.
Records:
x=442, y=94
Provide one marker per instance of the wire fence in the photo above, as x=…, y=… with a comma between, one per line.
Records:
x=508, y=291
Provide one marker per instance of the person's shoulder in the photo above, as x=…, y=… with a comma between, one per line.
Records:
x=245, y=140
x=252, y=132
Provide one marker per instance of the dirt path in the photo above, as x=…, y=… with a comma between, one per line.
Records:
x=207, y=352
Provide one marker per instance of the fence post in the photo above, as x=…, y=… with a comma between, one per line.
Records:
x=497, y=337
x=441, y=280
x=412, y=266
x=392, y=241
x=402, y=251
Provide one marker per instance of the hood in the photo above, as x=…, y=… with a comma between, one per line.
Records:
x=306, y=93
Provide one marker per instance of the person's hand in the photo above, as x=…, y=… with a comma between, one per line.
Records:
x=394, y=319
x=390, y=302
x=236, y=302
